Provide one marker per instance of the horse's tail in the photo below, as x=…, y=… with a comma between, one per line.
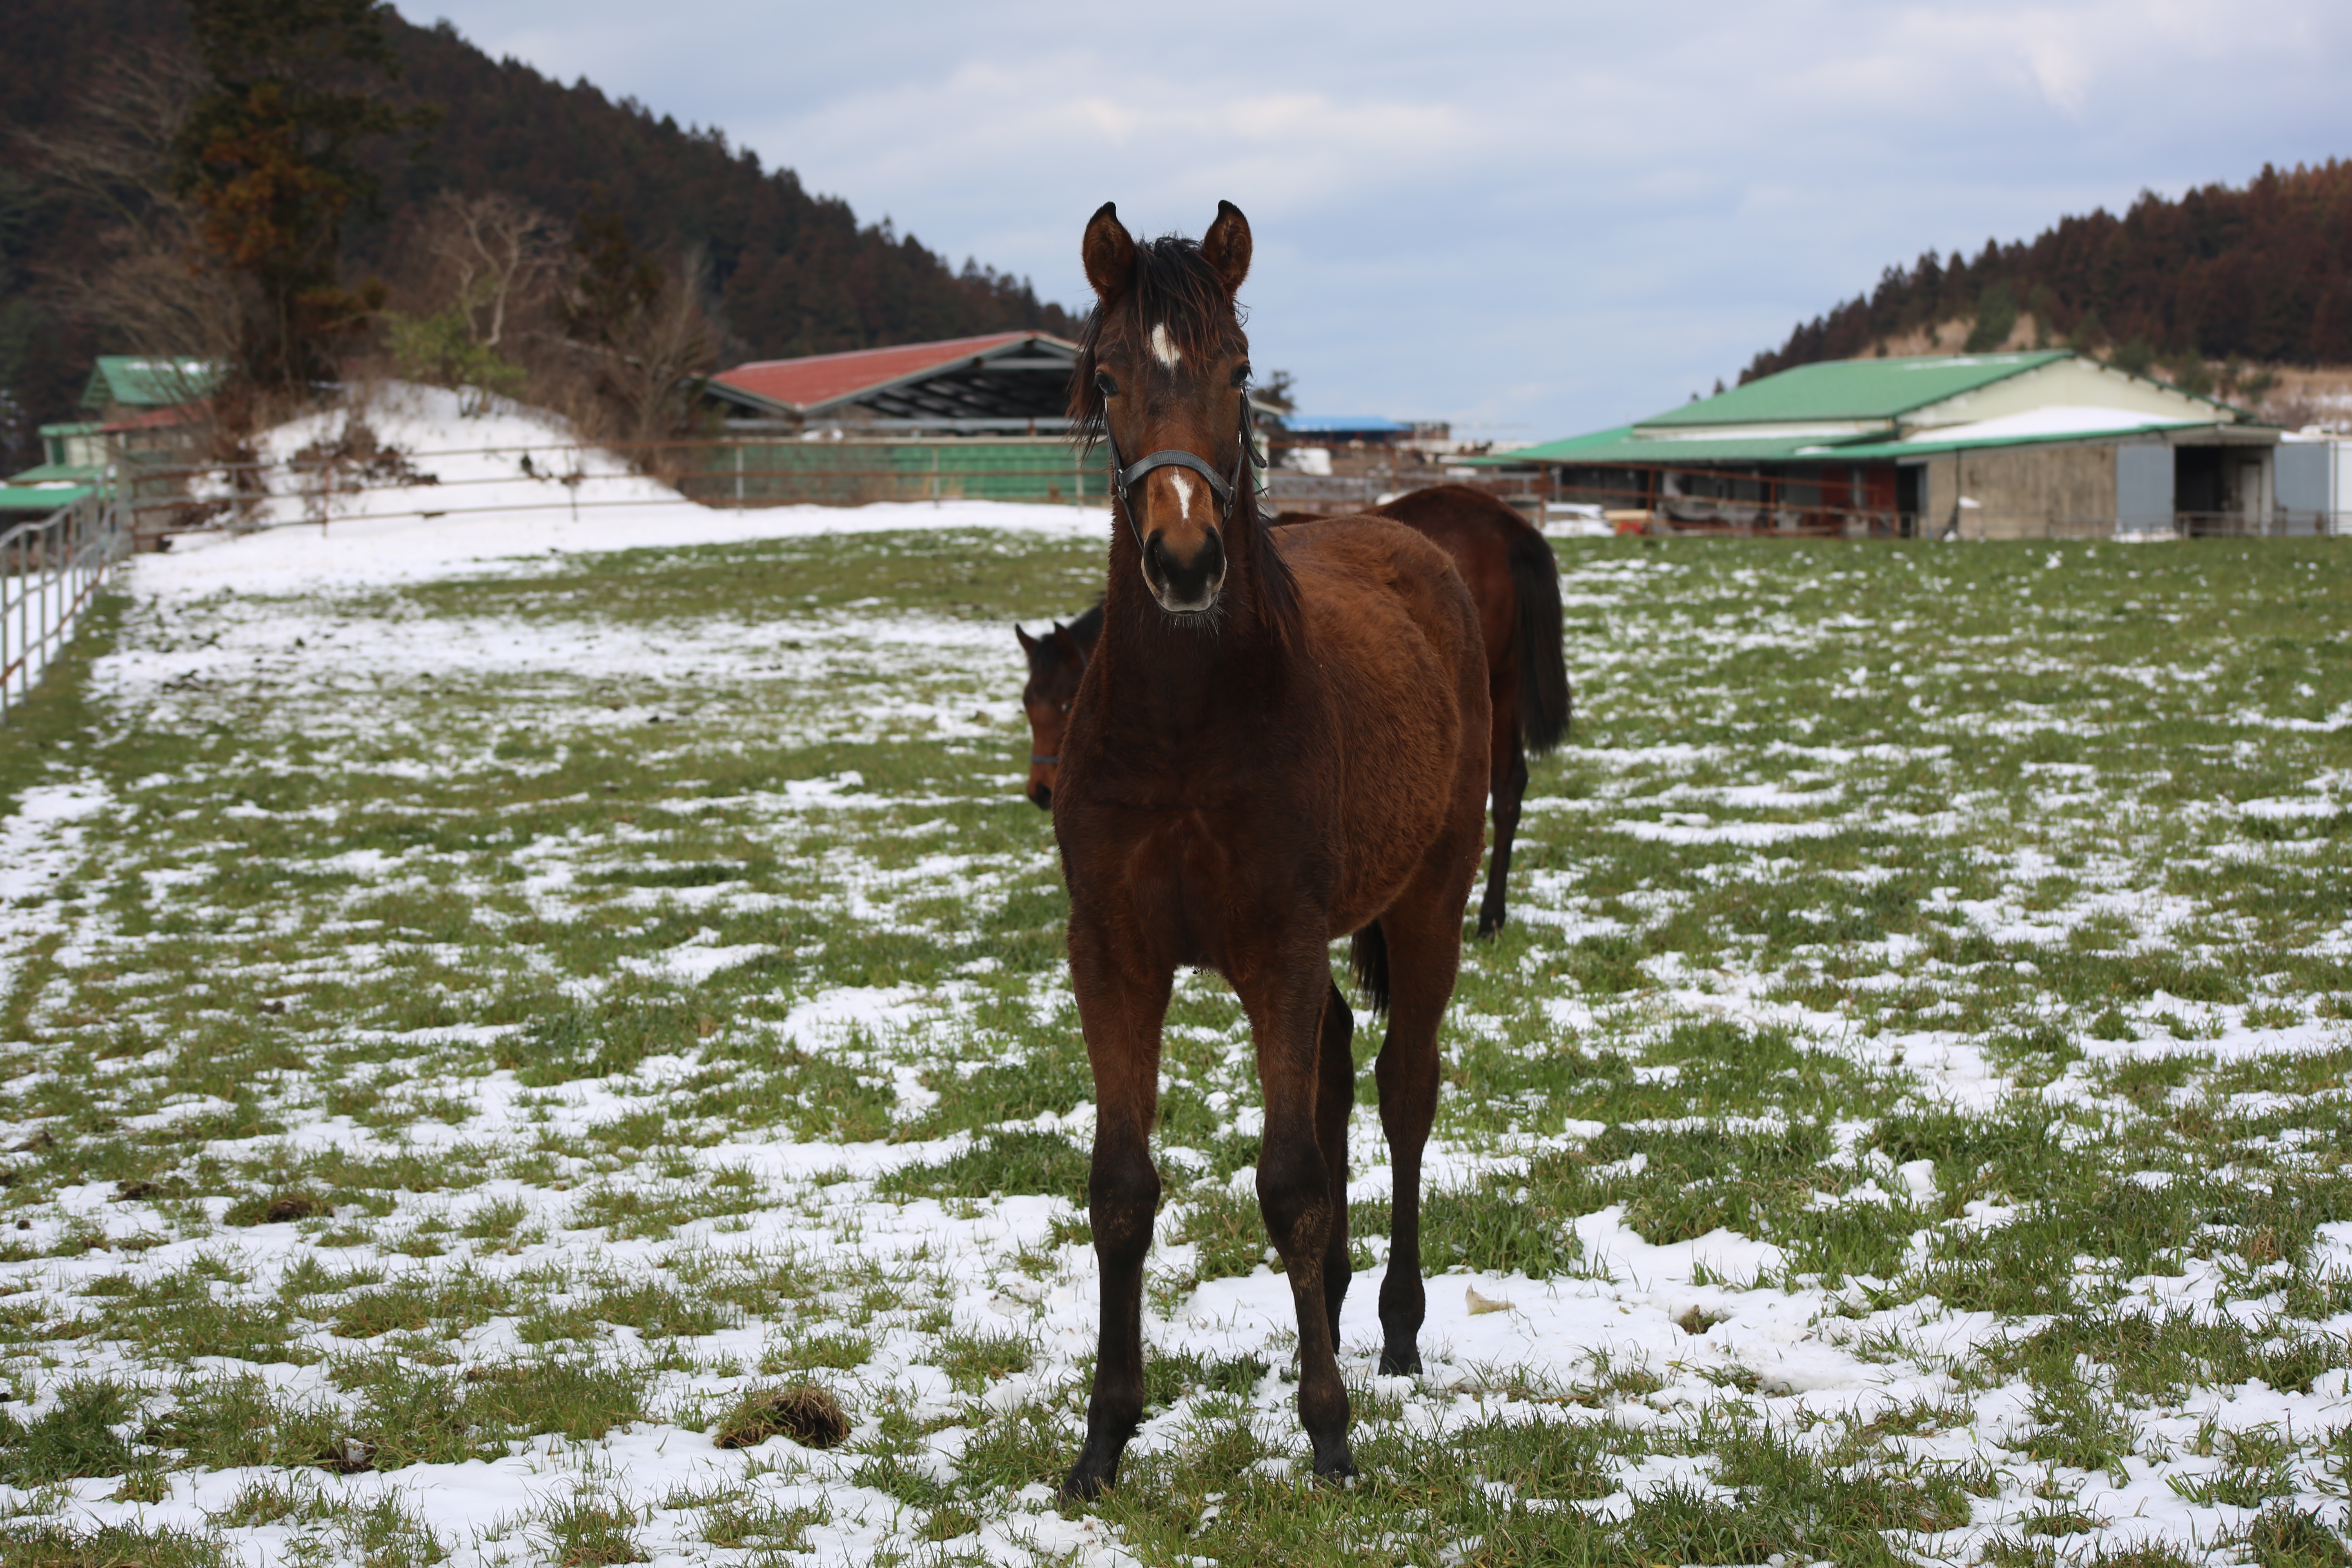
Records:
x=1545, y=701
x=1369, y=953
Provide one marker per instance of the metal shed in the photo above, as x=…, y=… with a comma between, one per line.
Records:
x=1982, y=445
x=122, y=384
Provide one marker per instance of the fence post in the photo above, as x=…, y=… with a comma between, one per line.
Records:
x=24, y=613
x=50, y=531
x=6, y=664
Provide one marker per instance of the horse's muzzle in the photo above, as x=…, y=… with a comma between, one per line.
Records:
x=1185, y=587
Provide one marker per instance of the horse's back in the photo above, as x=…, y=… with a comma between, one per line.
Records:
x=1478, y=531
x=1393, y=636
x=1358, y=571
x=1470, y=525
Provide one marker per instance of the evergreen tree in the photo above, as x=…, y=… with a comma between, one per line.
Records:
x=618, y=283
x=270, y=160
x=1995, y=317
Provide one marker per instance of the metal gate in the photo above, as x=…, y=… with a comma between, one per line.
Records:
x=49, y=570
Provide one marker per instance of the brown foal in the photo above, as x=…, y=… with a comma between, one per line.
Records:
x=1270, y=749
x=1512, y=579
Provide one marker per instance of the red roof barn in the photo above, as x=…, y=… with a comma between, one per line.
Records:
x=1003, y=384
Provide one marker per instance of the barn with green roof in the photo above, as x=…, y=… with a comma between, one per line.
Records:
x=2042, y=444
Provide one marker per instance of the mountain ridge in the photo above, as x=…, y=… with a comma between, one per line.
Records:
x=2215, y=290
x=784, y=271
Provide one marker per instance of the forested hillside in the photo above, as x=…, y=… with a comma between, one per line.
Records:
x=781, y=272
x=2260, y=274
x=792, y=273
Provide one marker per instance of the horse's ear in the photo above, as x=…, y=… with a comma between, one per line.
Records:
x=1110, y=253
x=1067, y=645
x=1028, y=643
x=1226, y=245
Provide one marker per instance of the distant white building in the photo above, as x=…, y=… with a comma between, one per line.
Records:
x=2314, y=475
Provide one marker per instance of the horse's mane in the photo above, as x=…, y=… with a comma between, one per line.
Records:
x=1175, y=286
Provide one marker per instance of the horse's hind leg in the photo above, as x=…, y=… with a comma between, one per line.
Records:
x=1335, y=1094
x=1425, y=947
x=1509, y=787
x=1121, y=1018
x=1289, y=1013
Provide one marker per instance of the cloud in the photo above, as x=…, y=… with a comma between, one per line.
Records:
x=1151, y=143
x=1545, y=217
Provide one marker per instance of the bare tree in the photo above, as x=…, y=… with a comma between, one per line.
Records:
x=114, y=156
x=484, y=272
x=653, y=357
x=638, y=332
x=114, y=152
x=498, y=258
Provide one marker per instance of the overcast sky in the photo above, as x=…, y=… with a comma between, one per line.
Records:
x=1534, y=220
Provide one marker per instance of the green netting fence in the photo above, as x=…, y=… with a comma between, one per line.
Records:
x=849, y=473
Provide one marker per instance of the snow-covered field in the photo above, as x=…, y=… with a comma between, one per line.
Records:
x=481, y=1001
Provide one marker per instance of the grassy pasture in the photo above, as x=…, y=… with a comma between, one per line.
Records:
x=463, y=1046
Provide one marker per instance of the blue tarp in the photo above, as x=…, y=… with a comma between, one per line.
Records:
x=1365, y=425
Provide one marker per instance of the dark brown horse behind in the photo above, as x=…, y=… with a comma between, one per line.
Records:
x=1514, y=580
x=1271, y=748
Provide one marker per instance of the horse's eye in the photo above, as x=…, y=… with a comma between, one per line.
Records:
x=1066, y=708
x=1105, y=385
x=1242, y=373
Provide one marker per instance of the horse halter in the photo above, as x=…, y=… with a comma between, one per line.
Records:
x=1221, y=486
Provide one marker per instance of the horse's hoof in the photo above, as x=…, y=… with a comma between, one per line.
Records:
x=1335, y=1466
x=1400, y=1364
x=1488, y=925
x=1088, y=1479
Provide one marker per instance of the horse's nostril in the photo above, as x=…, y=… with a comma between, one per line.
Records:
x=1189, y=582
x=1043, y=797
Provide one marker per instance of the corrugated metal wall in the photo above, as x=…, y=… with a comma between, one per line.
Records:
x=2305, y=486
x=2342, y=492
x=2144, y=486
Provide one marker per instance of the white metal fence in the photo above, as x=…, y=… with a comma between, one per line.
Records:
x=49, y=570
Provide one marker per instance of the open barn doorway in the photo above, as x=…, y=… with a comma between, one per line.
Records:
x=2220, y=490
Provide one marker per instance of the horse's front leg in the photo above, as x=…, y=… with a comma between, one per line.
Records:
x=1122, y=1002
x=1285, y=1003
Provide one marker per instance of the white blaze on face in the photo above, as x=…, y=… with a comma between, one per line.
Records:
x=1183, y=496
x=1164, y=347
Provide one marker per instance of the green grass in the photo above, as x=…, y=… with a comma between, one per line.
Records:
x=75, y=1436
x=1903, y=922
